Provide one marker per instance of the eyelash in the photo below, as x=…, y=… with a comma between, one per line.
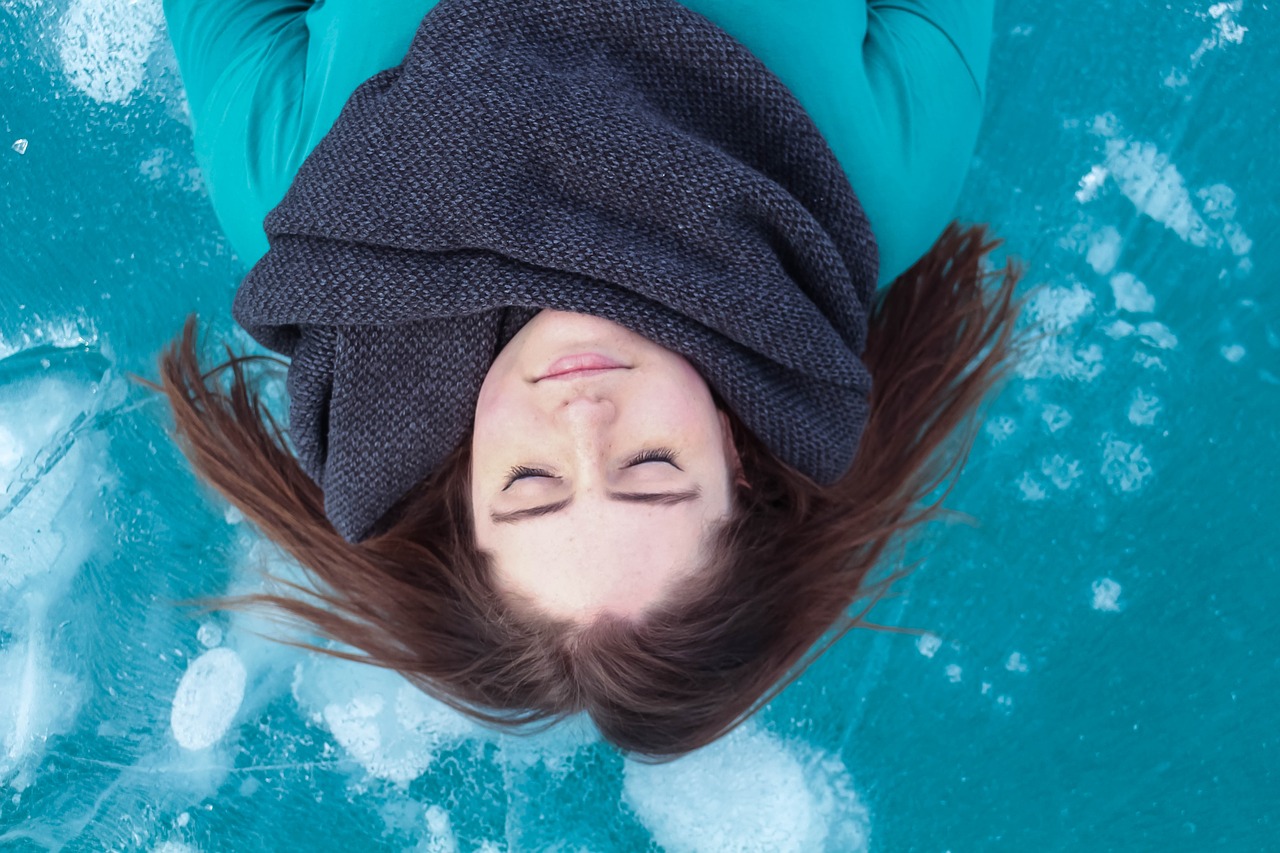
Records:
x=656, y=455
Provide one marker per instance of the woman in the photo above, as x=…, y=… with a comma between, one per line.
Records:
x=593, y=403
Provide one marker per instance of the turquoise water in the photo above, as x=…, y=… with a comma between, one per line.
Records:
x=1097, y=674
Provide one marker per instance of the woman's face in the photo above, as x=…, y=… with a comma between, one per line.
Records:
x=599, y=465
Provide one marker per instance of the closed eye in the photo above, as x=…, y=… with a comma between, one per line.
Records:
x=656, y=455
x=520, y=472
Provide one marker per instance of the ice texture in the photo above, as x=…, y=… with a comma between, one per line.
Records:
x=748, y=791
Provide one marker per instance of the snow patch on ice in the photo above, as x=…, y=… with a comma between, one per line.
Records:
x=1055, y=417
x=1152, y=182
x=393, y=730
x=1233, y=353
x=999, y=429
x=1226, y=30
x=207, y=699
x=928, y=644
x=1157, y=335
x=1031, y=488
x=749, y=791
x=1124, y=466
x=1131, y=294
x=1143, y=408
x=1106, y=595
x=1090, y=184
x=1061, y=470
x=105, y=45
x=1054, y=310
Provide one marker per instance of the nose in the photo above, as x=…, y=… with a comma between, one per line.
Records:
x=587, y=412
x=587, y=422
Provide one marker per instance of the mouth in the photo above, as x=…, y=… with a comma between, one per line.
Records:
x=581, y=365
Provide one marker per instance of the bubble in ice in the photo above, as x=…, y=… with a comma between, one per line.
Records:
x=1016, y=663
x=748, y=791
x=928, y=644
x=208, y=697
x=1106, y=595
x=1055, y=310
x=954, y=673
x=998, y=429
x=19, y=145
x=209, y=635
x=1233, y=353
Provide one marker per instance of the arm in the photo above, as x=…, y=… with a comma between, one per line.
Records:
x=266, y=79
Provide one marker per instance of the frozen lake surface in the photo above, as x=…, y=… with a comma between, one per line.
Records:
x=1096, y=672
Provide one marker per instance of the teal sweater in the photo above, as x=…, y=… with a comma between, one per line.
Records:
x=895, y=86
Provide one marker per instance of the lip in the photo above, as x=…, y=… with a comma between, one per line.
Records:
x=581, y=364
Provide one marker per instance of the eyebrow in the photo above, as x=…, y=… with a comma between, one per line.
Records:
x=651, y=498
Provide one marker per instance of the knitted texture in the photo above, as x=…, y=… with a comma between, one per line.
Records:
x=622, y=158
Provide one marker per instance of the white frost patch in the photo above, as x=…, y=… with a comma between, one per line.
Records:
x=1119, y=329
x=1054, y=310
x=208, y=697
x=1031, y=488
x=36, y=703
x=1055, y=417
x=1150, y=180
x=392, y=729
x=1061, y=471
x=928, y=644
x=1090, y=184
x=1233, y=353
x=954, y=673
x=1143, y=408
x=748, y=792
x=1106, y=595
x=105, y=45
x=1131, y=294
x=1016, y=663
x=20, y=146
x=442, y=838
x=1226, y=30
x=1124, y=466
x=1103, y=249
x=1157, y=335
x=174, y=847
x=1148, y=360
x=999, y=429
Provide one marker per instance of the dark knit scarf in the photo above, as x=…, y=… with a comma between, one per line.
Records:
x=622, y=158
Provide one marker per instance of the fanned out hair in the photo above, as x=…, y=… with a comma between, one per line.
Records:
x=791, y=569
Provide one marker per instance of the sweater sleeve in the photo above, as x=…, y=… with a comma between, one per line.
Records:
x=925, y=65
x=265, y=80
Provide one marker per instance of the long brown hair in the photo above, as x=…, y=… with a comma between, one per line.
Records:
x=788, y=570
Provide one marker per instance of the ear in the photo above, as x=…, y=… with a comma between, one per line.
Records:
x=731, y=458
